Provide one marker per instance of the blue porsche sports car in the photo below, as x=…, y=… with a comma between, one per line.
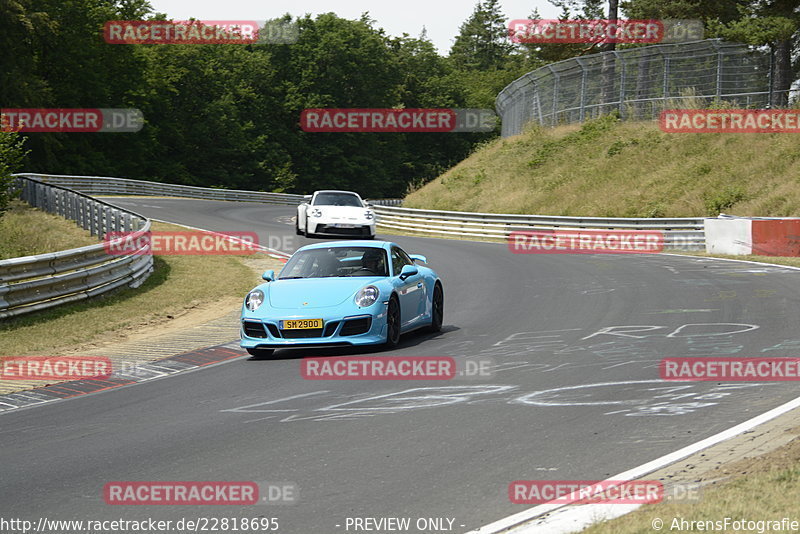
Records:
x=342, y=293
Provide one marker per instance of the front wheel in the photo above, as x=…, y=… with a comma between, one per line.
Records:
x=437, y=309
x=392, y=323
x=260, y=353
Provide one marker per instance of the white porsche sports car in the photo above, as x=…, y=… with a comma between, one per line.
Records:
x=335, y=213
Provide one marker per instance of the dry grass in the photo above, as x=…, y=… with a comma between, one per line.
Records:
x=178, y=285
x=609, y=168
x=766, y=488
x=25, y=231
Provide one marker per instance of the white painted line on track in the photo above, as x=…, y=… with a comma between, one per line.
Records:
x=271, y=251
x=575, y=518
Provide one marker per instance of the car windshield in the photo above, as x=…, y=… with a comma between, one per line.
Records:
x=336, y=262
x=337, y=199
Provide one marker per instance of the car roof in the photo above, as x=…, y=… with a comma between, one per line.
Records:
x=354, y=243
x=336, y=191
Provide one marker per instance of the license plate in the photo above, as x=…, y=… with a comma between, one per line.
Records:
x=301, y=324
x=345, y=225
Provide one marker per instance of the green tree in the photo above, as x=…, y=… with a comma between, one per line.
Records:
x=12, y=155
x=482, y=42
x=772, y=23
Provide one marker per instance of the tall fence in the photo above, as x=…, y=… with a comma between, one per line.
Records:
x=32, y=283
x=638, y=82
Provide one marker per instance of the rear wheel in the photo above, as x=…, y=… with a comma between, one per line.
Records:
x=260, y=353
x=437, y=309
x=392, y=323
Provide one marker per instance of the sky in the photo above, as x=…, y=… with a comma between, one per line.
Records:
x=441, y=19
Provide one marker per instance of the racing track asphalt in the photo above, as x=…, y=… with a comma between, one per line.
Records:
x=565, y=401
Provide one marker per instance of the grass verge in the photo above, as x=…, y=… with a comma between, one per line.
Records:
x=179, y=285
x=26, y=231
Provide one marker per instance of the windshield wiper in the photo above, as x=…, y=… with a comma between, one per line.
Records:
x=290, y=277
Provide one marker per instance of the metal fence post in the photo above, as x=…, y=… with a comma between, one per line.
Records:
x=621, y=60
x=556, y=88
x=584, y=75
x=770, y=94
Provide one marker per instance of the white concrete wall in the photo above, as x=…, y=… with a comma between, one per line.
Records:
x=729, y=236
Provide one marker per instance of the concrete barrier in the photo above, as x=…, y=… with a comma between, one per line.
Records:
x=760, y=236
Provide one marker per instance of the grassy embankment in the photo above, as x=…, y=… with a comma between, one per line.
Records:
x=608, y=168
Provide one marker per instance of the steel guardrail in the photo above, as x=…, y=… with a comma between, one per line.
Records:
x=32, y=283
x=679, y=233
x=102, y=185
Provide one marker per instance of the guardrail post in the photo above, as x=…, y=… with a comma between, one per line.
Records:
x=93, y=217
x=108, y=221
x=81, y=205
x=49, y=196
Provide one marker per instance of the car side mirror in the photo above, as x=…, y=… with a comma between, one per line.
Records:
x=269, y=276
x=418, y=257
x=408, y=270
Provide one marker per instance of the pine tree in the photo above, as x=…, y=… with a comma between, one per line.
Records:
x=482, y=42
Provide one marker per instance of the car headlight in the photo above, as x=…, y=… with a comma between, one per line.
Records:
x=316, y=212
x=368, y=215
x=367, y=296
x=254, y=299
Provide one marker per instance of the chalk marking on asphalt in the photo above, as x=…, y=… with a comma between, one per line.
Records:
x=244, y=409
